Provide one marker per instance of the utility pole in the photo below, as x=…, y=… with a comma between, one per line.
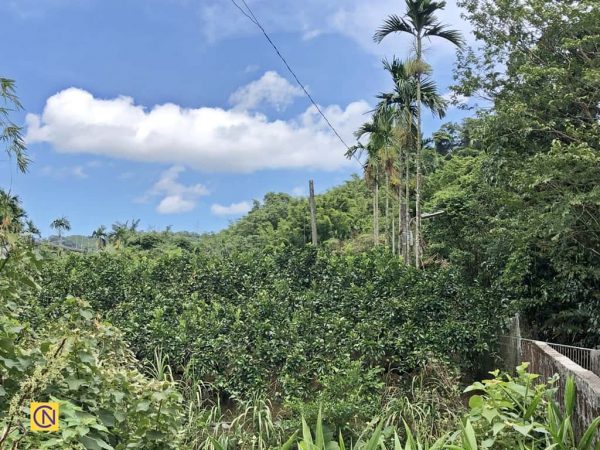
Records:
x=313, y=211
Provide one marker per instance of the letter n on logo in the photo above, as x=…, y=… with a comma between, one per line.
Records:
x=44, y=416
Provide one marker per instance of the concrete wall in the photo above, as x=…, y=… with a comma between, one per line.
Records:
x=546, y=361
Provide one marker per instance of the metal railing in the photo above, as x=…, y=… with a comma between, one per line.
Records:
x=587, y=358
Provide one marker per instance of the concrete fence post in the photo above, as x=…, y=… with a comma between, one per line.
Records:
x=595, y=361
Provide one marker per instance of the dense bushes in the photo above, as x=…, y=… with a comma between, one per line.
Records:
x=281, y=322
x=79, y=361
x=505, y=413
x=520, y=185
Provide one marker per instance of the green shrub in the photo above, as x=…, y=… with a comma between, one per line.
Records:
x=279, y=323
x=80, y=362
x=522, y=412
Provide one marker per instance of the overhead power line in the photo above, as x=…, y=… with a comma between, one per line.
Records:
x=250, y=15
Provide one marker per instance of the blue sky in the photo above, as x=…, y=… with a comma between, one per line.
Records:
x=178, y=112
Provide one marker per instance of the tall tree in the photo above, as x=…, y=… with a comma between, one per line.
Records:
x=371, y=168
x=388, y=156
x=32, y=229
x=380, y=159
x=101, y=236
x=119, y=234
x=11, y=212
x=402, y=100
x=60, y=224
x=420, y=21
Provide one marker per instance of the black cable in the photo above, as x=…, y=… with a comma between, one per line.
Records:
x=250, y=15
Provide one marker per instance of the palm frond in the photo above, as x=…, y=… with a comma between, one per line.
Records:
x=421, y=13
x=431, y=98
x=443, y=31
x=354, y=150
x=397, y=68
x=365, y=128
x=393, y=24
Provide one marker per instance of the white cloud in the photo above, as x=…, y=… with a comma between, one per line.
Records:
x=271, y=89
x=168, y=184
x=79, y=172
x=235, y=209
x=206, y=139
x=175, y=204
x=177, y=197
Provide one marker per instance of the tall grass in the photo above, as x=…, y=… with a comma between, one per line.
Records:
x=427, y=406
x=426, y=413
x=430, y=405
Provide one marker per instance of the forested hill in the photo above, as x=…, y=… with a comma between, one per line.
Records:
x=343, y=214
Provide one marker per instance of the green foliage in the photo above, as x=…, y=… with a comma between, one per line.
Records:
x=505, y=413
x=67, y=355
x=12, y=215
x=251, y=425
x=343, y=213
x=347, y=395
x=522, y=412
x=528, y=234
x=261, y=329
x=431, y=404
x=521, y=193
x=59, y=350
x=11, y=138
x=281, y=322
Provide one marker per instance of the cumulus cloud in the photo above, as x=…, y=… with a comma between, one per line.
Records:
x=235, y=209
x=270, y=89
x=206, y=139
x=177, y=197
x=175, y=204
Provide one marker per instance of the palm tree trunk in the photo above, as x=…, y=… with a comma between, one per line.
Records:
x=376, y=213
x=405, y=225
x=400, y=206
x=393, y=235
x=418, y=162
x=400, y=215
x=387, y=208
